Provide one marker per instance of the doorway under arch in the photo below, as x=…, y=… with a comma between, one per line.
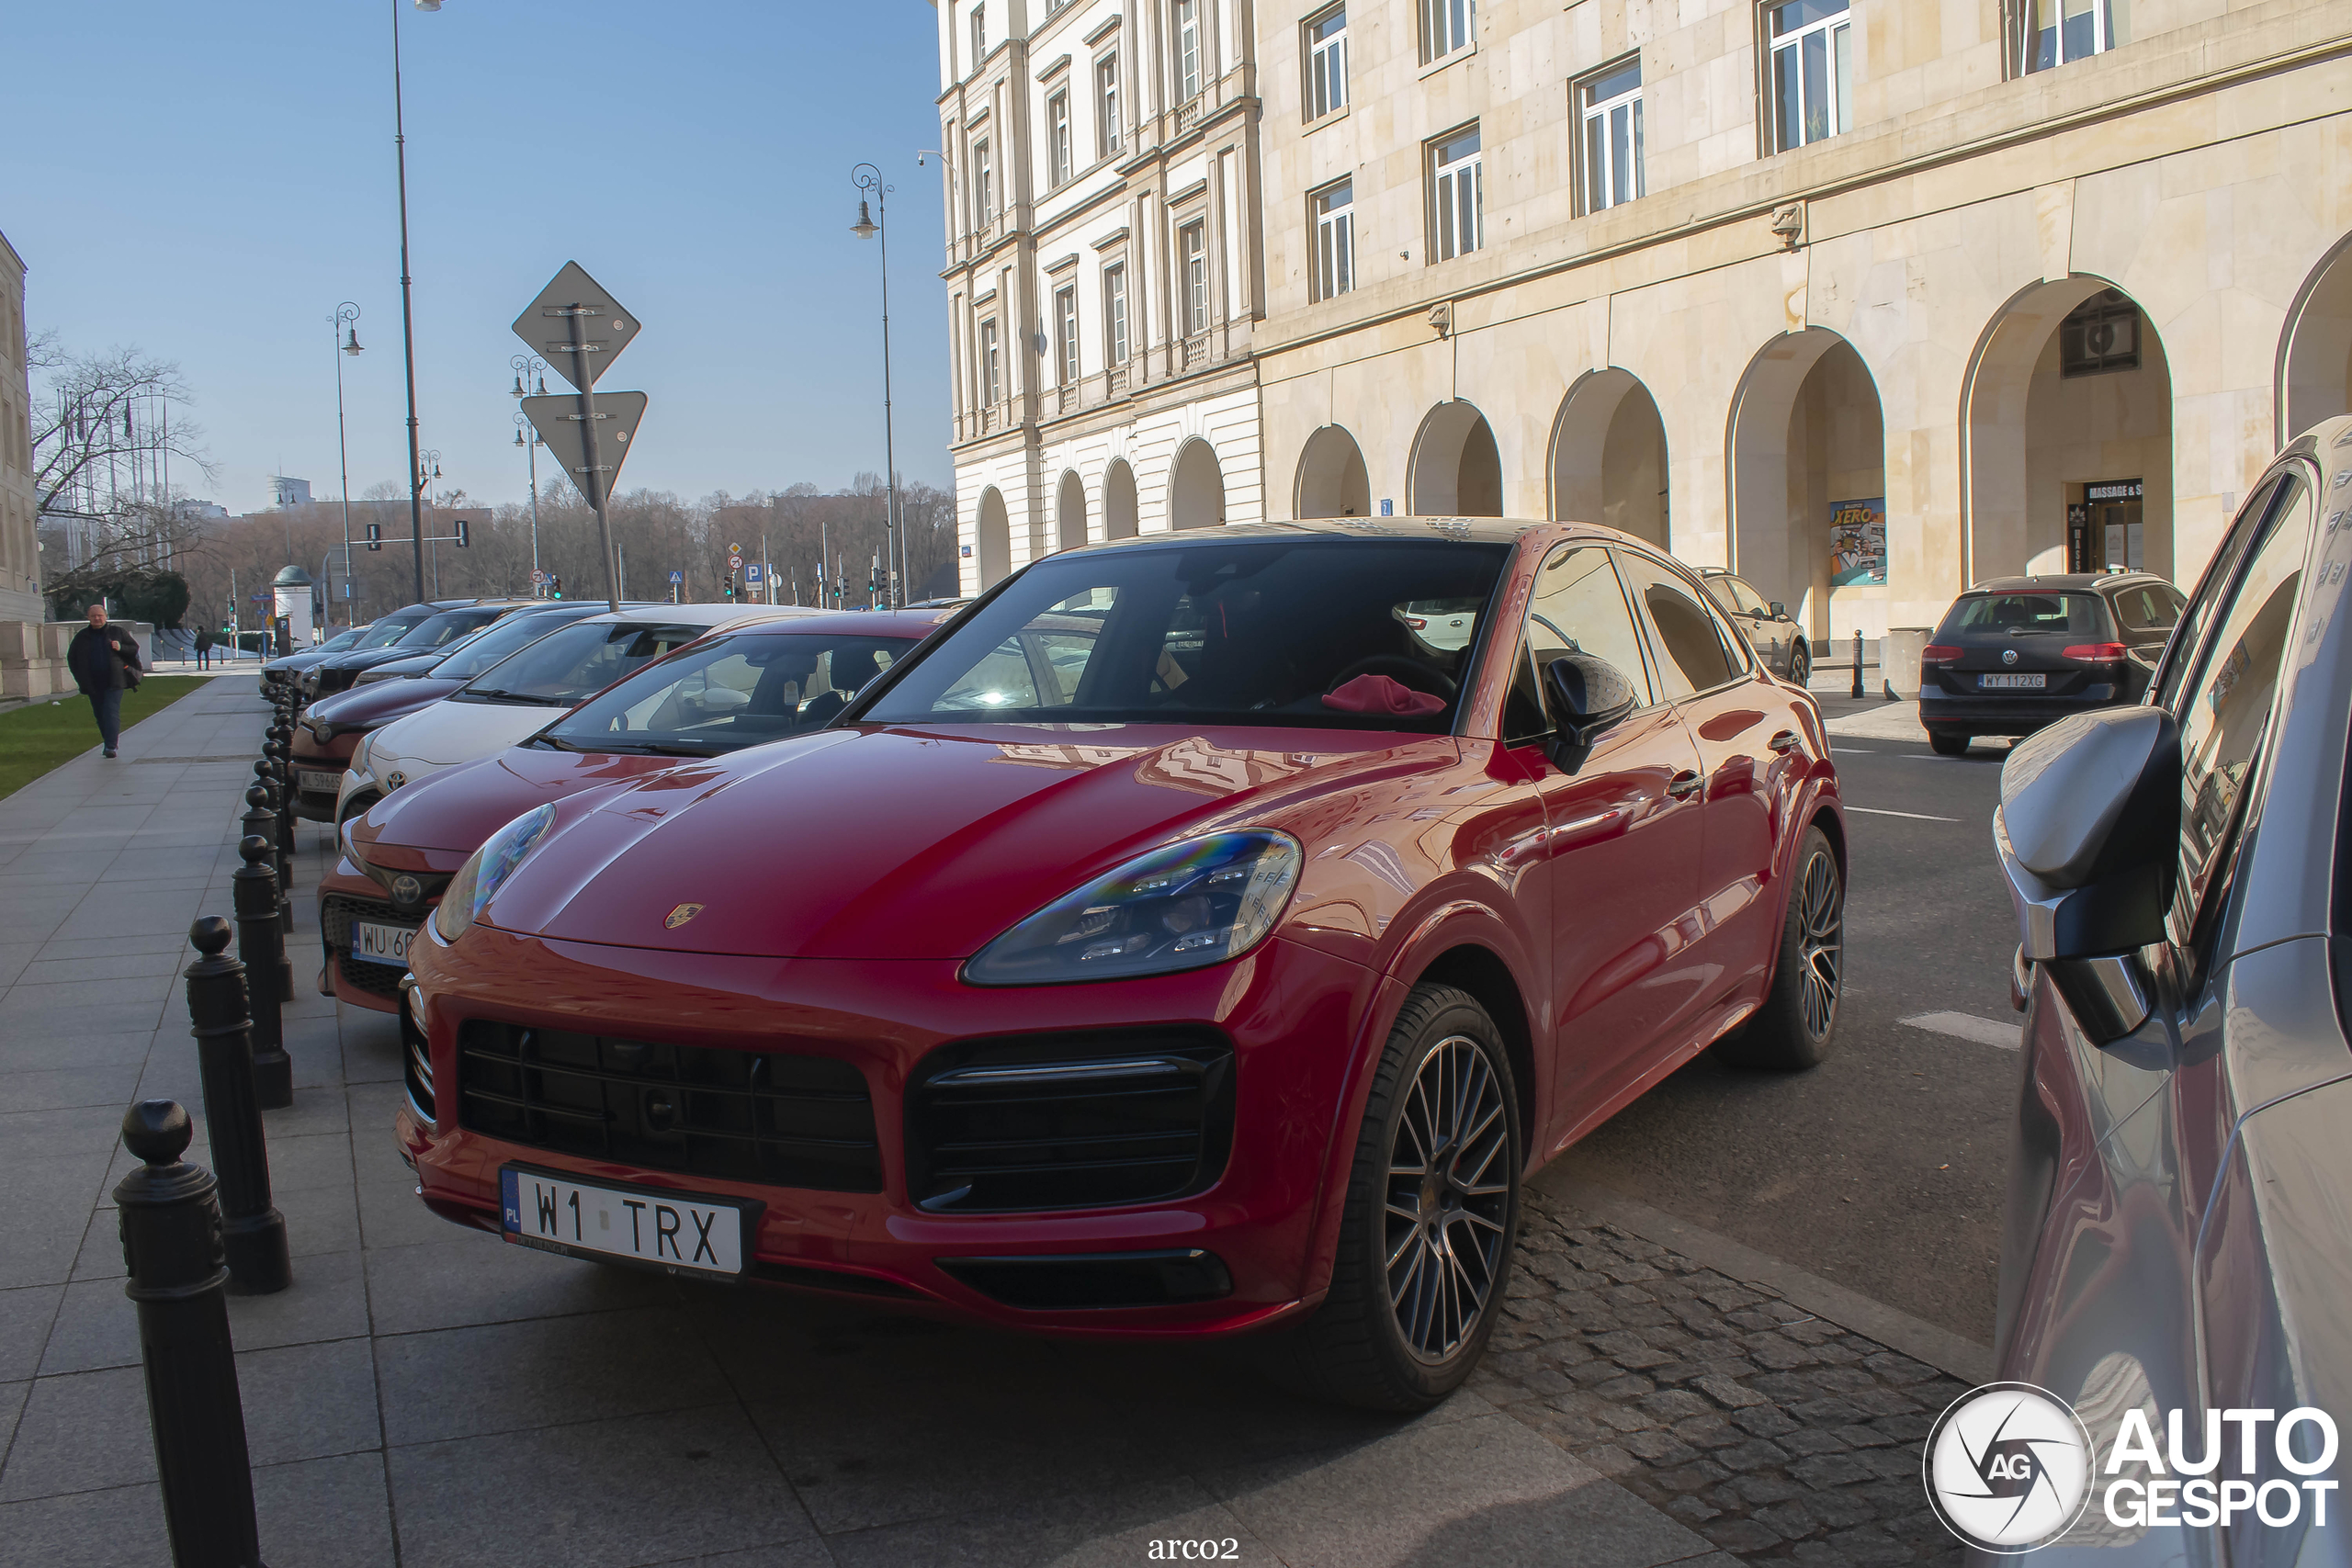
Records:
x=1609, y=456
x=2315, y=349
x=996, y=538
x=1118, y=500
x=1197, y=487
x=1069, y=511
x=1808, y=483
x=2066, y=419
x=1456, y=470
x=1331, y=478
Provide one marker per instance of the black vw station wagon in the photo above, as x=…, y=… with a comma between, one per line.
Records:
x=2016, y=653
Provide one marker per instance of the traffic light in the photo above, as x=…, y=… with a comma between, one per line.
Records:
x=375, y=535
x=555, y=587
x=463, y=543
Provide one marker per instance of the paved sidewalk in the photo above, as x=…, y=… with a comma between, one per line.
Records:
x=425, y=1394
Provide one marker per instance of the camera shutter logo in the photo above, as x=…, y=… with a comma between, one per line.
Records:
x=2008, y=1467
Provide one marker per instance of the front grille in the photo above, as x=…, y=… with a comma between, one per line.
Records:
x=376, y=979
x=1069, y=1121
x=743, y=1115
x=337, y=911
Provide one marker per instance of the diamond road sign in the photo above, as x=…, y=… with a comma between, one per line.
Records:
x=557, y=419
x=576, y=299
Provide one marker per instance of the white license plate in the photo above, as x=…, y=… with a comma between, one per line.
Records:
x=695, y=1234
x=311, y=778
x=2011, y=682
x=382, y=944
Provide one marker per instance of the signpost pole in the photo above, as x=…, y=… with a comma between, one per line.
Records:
x=598, y=491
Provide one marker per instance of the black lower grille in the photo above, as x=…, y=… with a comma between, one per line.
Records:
x=337, y=911
x=1086, y=1281
x=699, y=1111
x=417, y=1064
x=1069, y=1121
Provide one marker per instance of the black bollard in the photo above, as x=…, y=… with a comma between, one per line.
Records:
x=263, y=820
x=253, y=1233
x=170, y=1222
x=1857, y=664
x=270, y=974
x=281, y=830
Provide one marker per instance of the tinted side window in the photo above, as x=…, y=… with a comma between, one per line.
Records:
x=1697, y=654
x=2198, y=610
x=2147, y=611
x=1578, y=606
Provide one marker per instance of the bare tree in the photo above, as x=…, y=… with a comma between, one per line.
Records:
x=104, y=434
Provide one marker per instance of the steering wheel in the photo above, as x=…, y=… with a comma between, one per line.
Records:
x=1412, y=672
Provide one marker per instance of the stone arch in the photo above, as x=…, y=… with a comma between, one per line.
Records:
x=1070, y=511
x=995, y=538
x=1456, y=470
x=2315, y=348
x=1331, y=478
x=2034, y=440
x=1609, y=459
x=1807, y=435
x=1118, y=500
x=1195, y=487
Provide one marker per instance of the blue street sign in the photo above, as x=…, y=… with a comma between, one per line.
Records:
x=677, y=577
x=752, y=572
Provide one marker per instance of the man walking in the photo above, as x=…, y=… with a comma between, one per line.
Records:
x=204, y=647
x=104, y=660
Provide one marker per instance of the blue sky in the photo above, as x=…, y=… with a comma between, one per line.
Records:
x=208, y=180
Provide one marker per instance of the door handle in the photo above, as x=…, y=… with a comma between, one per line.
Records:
x=1784, y=742
x=1685, y=783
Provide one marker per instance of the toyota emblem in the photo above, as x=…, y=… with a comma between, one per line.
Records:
x=2008, y=656
x=407, y=889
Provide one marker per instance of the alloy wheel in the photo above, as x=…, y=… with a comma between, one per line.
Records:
x=1448, y=1198
x=1821, y=941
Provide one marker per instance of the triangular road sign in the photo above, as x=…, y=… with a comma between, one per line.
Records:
x=573, y=300
x=557, y=419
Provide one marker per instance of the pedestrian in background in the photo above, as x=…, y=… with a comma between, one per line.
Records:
x=204, y=647
x=105, y=661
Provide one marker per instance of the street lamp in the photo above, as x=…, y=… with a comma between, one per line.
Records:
x=345, y=314
x=867, y=177
x=429, y=468
x=530, y=442
x=408, y=315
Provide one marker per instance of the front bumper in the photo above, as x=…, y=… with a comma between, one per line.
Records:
x=318, y=768
x=345, y=893
x=1295, y=1020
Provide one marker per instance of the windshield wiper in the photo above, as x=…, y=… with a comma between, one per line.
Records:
x=493, y=695
x=555, y=741
x=659, y=749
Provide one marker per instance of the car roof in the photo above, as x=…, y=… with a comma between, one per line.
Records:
x=1470, y=530
x=722, y=613
x=2061, y=582
x=908, y=623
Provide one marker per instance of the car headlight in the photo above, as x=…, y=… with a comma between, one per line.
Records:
x=489, y=865
x=362, y=755
x=1186, y=906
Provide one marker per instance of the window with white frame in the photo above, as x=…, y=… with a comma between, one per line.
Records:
x=1335, y=239
x=1115, y=313
x=1066, y=331
x=1611, y=104
x=1187, y=50
x=983, y=186
x=1457, y=197
x=1447, y=25
x=2057, y=32
x=1812, y=70
x=979, y=35
x=1059, y=151
x=991, y=364
x=1106, y=105
x=1193, y=247
x=1327, y=62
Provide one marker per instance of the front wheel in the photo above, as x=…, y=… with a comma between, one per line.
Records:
x=1796, y=1026
x=1800, y=665
x=1431, y=1215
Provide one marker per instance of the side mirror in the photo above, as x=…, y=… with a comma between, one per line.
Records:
x=1779, y=611
x=2088, y=836
x=1589, y=696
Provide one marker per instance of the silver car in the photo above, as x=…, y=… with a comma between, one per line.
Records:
x=2176, y=1257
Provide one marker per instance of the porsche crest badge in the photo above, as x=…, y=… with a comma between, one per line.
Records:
x=681, y=914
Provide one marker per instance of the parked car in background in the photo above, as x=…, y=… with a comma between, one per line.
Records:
x=280, y=671
x=2016, y=653
x=2174, y=1241
x=330, y=727
x=1227, y=973
x=740, y=686
x=433, y=633
x=1778, y=638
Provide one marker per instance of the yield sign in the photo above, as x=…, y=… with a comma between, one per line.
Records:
x=557, y=419
x=576, y=327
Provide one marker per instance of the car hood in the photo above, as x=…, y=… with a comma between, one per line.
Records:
x=447, y=733
x=365, y=707
x=455, y=809
x=907, y=844
x=363, y=658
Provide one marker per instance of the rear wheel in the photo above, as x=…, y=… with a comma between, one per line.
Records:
x=1948, y=744
x=1797, y=1024
x=1800, y=664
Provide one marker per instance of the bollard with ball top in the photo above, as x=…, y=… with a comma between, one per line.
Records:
x=170, y=1223
x=1857, y=663
x=252, y=1231
x=270, y=974
x=267, y=771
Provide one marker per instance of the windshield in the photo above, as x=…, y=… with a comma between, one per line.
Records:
x=2075, y=614
x=340, y=641
x=387, y=631
x=565, y=666
x=1223, y=631
x=477, y=653
x=445, y=629
x=735, y=691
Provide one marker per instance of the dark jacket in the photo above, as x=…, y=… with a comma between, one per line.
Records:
x=99, y=658
x=204, y=639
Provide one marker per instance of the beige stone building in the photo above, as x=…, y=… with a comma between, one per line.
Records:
x=19, y=559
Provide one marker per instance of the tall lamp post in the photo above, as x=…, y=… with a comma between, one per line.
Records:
x=867, y=179
x=345, y=314
x=528, y=367
x=408, y=315
x=429, y=468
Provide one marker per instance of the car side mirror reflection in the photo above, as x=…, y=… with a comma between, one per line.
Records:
x=1588, y=697
x=1779, y=611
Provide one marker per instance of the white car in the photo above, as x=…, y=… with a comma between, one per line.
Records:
x=512, y=699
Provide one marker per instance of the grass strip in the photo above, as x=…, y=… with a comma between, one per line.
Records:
x=50, y=731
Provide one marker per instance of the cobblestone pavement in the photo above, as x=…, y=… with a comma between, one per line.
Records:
x=1777, y=1434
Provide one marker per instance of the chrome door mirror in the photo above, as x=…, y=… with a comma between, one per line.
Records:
x=1589, y=696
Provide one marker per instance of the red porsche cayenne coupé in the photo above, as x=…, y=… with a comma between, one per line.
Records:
x=1182, y=941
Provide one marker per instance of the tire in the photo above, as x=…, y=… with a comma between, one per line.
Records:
x=1948, y=744
x=1387, y=1337
x=1797, y=1026
x=1800, y=666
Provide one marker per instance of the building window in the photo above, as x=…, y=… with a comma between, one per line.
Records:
x=1813, y=71
x=979, y=35
x=1457, y=197
x=1066, y=329
x=1447, y=25
x=1106, y=105
x=2101, y=335
x=1335, y=239
x=1327, y=62
x=983, y=186
x=1187, y=50
x=991, y=364
x=1612, y=106
x=2059, y=30
x=1193, y=244
x=1059, y=151
x=1114, y=314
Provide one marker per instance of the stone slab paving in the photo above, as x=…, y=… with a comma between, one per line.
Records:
x=425, y=1394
